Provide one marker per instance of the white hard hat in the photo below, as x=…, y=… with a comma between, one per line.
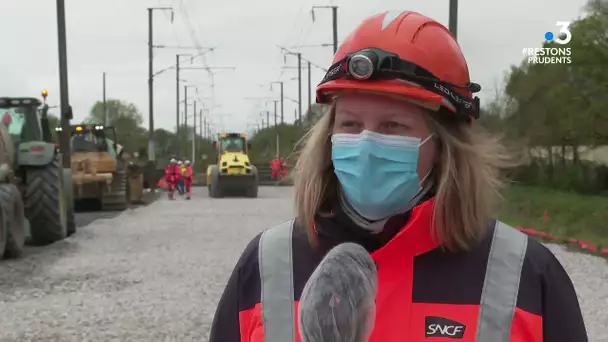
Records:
x=173, y=161
x=187, y=162
x=180, y=162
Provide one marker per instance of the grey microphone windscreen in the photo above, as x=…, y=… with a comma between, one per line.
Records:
x=338, y=301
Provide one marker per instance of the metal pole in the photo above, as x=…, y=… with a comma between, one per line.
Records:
x=66, y=113
x=454, y=17
x=267, y=119
x=334, y=13
x=309, y=90
x=200, y=123
x=275, y=113
x=186, y=112
x=151, y=154
x=177, y=103
x=300, y=86
x=105, y=105
x=278, y=149
x=193, y=132
x=205, y=135
x=282, y=101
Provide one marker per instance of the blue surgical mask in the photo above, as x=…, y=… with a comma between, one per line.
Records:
x=377, y=172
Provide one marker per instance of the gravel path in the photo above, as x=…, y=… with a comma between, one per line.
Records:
x=590, y=277
x=155, y=273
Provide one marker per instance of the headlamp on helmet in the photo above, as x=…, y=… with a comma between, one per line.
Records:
x=377, y=64
x=362, y=65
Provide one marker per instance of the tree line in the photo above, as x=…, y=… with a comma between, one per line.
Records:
x=127, y=120
x=558, y=113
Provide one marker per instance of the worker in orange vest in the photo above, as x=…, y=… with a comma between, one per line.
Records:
x=171, y=177
x=188, y=178
x=275, y=166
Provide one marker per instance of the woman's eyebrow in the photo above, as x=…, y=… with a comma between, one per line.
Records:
x=349, y=113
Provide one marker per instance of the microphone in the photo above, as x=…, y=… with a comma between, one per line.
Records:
x=338, y=303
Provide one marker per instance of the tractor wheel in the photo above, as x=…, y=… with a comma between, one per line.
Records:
x=45, y=205
x=252, y=188
x=215, y=190
x=68, y=192
x=118, y=197
x=14, y=220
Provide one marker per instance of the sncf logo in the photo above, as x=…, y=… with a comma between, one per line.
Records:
x=443, y=327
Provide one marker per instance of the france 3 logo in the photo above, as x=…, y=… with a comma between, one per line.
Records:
x=563, y=36
x=553, y=54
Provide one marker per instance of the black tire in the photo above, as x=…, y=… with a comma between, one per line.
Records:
x=252, y=190
x=117, y=198
x=44, y=202
x=71, y=223
x=215, y=190
x=14, y=222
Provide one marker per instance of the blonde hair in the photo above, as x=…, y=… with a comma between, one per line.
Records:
x=467, y=174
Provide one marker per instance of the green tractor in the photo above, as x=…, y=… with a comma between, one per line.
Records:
x=35, y=190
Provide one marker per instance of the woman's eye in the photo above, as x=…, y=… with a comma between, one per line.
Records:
x=349, y=124
x=394, y=125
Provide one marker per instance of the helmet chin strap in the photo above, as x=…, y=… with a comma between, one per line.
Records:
x=377, y=226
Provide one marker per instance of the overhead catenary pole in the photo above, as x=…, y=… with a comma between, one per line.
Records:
x=334, y=10
x=105, y=105
x=267, y=119
x=309, y=89
x=193, y=132
x=334, y=15
x=66, y=112
x=151, y=155
x=177, y=104
x=275, y=113
x=300, y=87
x=453, y=23
x=282, y=100
x=205, y=127
x=151, y=148
x=186, y=112
x=282, y=105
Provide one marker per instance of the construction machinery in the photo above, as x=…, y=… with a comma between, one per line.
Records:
x=233, y=171
x=35, y=191
x=99, y=169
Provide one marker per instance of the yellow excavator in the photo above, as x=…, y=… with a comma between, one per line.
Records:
x=99, y=170
x=233, y=171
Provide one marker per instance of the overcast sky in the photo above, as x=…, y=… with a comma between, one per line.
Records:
x=111, y=36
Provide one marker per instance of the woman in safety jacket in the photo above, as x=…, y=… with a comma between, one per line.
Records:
x=398, y=167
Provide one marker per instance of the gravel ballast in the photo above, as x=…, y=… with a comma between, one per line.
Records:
x=155, y=273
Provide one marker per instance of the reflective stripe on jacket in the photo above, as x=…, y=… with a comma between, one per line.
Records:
x=496, y=308
x=507, y=288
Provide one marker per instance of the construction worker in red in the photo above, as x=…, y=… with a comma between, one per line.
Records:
x=275, y=168
x=188, y=178
x=171, y=177
x=400, y=167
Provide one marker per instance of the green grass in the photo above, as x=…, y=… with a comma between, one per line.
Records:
x=570, y=215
